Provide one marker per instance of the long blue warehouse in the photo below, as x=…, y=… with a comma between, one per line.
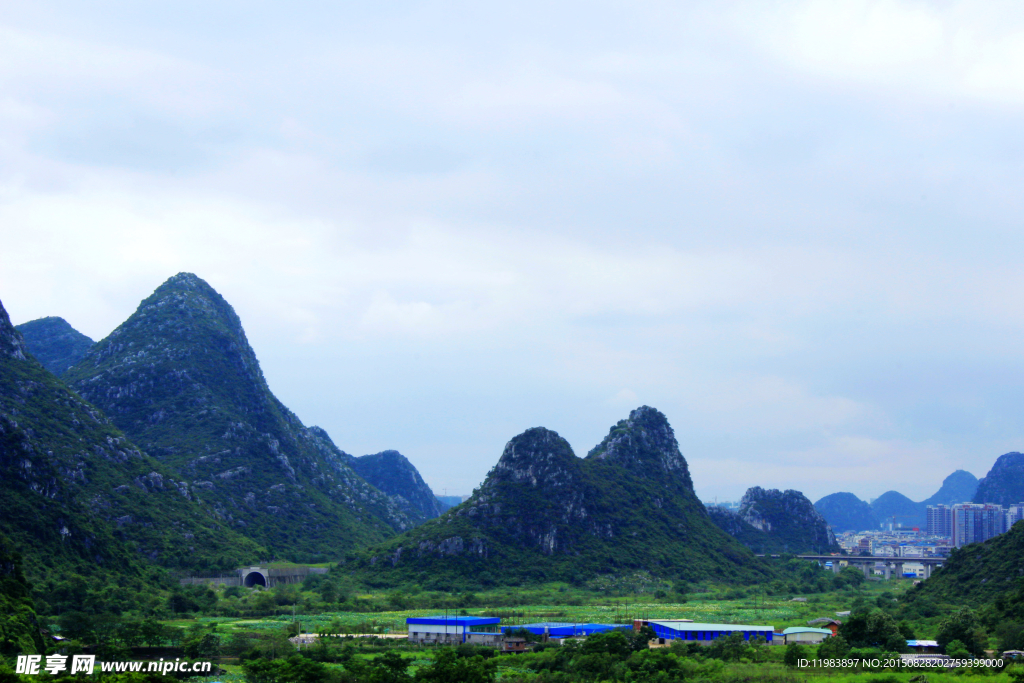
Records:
x=563, y=629
x=676, y=630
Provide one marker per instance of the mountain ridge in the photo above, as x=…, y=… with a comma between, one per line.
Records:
x=54, y=343
x=1004, y=483
x=846, y=512
x=542, y=513
x=392, y=473
x=180, y=378
x=773, y=521
x=79, y=498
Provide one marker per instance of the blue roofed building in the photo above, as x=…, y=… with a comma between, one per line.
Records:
x=454, y=630
x=706, y=633
x=563, y=629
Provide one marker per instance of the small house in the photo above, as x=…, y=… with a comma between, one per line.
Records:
x=928, y=647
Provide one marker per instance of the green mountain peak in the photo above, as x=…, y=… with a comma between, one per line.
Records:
x=544, y=514
x=54, y=343
x=645, y=440
x=180, y=378
x=79, y=497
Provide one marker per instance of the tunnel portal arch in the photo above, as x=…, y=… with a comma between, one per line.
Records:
x=254, y=579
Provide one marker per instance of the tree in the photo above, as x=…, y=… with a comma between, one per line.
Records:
x=76, y=625
x=957, y=650
x=202, y=642
x=640, y=640
x=612, y=642
x=152, y=632
x=390, y=667
x=963, y=625
x=794, y=653
x=448, y=667
x=849, y=576
x=130, y=633
x=907, y=630
x=295, y=669
x=1010, y=635
x=834, y=647
x=731, y=648
x=873, y=629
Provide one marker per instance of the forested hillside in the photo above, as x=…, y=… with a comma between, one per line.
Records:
x=392, y=473
x=78, y=498
x=180, y=378
x=54, y=343
x=544, y=514
x=773, y=521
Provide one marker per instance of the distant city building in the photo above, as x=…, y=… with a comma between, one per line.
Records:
x=940, y=521
x=974, y=522
x=1014, y=514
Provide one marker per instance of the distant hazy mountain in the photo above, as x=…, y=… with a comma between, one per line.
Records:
x=773, y=521
x=847, y=512
x=448, y=502
x=958, y=487
x=392, y=473
x=1004, y=483
x=55, y=343
x=180, y=378
x=544, y=514
x=893, y=506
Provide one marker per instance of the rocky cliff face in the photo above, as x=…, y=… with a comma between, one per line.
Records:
x=645, y=442
x=393, y=474
x=543, y=514
x=78, y=496
x=11, y=343
x=54, y=343
x=771, y=521
x=1004, y=483
x=180, y=378
x=846, y=512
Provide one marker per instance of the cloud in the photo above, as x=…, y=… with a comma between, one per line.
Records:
x=794, y=229
x=943, y=49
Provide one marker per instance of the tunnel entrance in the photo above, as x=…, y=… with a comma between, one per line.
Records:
x=254, y=579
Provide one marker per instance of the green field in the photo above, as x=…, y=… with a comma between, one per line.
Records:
x=778, y=612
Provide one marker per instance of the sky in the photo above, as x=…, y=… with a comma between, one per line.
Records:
x=793, y=227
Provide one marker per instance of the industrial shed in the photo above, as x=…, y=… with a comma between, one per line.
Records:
x=805, y=634
x=453, y=630
x=561, y=629
x=705, y=633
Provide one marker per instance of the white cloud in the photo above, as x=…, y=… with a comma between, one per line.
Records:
x=956, y=49
x=793, y=228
